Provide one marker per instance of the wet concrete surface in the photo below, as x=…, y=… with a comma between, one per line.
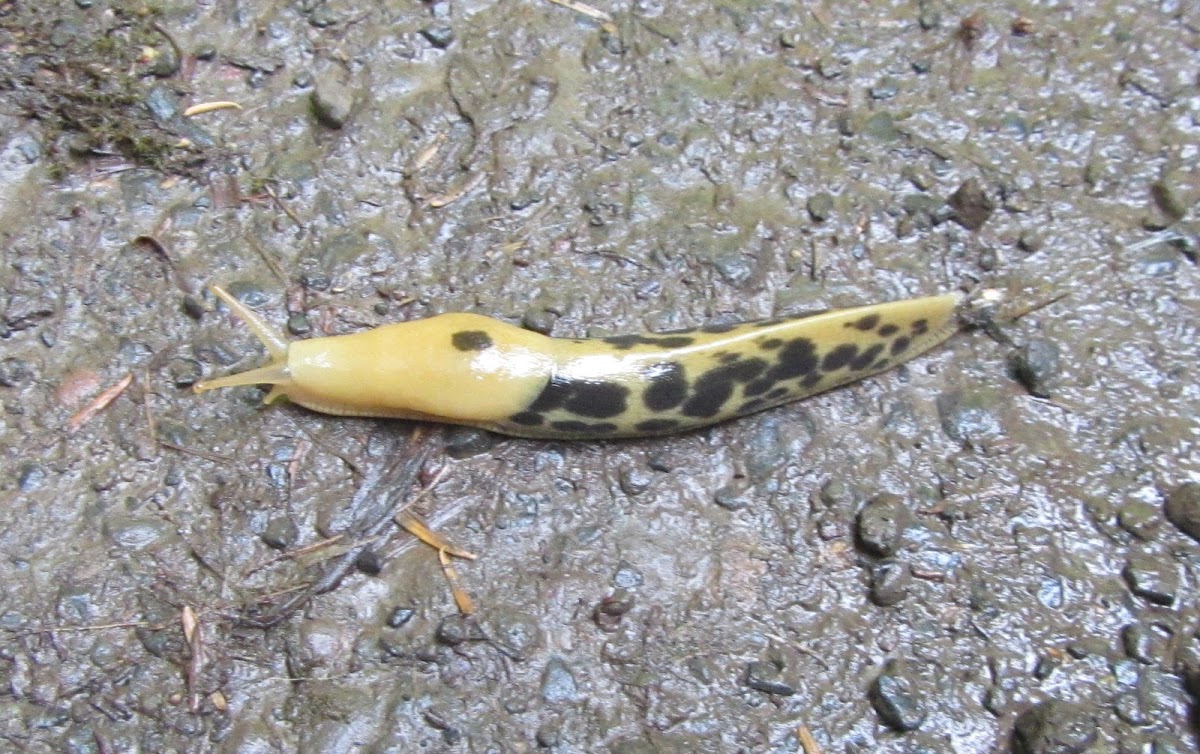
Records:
x=991, y=549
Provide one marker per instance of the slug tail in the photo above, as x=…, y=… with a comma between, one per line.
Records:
x=275, y=343
x=273, y=374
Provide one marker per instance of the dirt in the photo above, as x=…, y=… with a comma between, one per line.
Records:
x=933, y=560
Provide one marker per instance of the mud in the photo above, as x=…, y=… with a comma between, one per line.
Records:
x=201, y=574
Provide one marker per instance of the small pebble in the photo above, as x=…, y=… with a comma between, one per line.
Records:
x=894, y=699
x=1143, y=643
x=184, y=372
x=280, y=534
x=464, y=442
x=1129, y=708
x=369, y=561
x=1182, y=508
x=15, y=372
x=30, y=476
x=1141, y=519
x=890, y=582
x=332, y=101
x=439, y=36
x=820, y=206
x=558, y=683
x=539, y=320
x=767, y=677
x=1054, y=727
x=971, y=204
x=1036, y=366
x=732, y=497
x=298, y=324
x=634, y=481
x=400, y=616
x=881, y=524
x=1152, y=579
x=627, y=576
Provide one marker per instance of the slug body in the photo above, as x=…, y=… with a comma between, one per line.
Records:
x=474, y=370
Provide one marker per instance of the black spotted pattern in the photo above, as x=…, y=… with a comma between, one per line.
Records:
x=839, y=357
x=798, y=357
x=865, y=323
x=600, y=400
x=657, y=425
x=471, y=340
x=625, y=342
x=667, y=386
x=575, y=427
x=740, y=376
x=867, y=357
x=712, y=390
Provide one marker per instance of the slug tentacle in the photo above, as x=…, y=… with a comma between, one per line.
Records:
x=276, y=373
x=473, y=370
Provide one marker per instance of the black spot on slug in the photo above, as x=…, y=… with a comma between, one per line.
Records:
x=553, y=396
x=811, y=380
x=900, y=345
x=865, y=359
x=598, y=399
x=776, y=393
x=657, y=425
x=675, y=341
x=753, y=404
x=770, y=344
x=668, y=387
x=727, y=358
x=839, y=357
x=888, y=330
x=920, y=327
x=865, y=323
x=585, y=398
x=714, y=388
x=623, y=342
x=527, y=418
x=710, y=395
x=797, y=357
x=758, y=387
x=471, y=340
x=581, y=428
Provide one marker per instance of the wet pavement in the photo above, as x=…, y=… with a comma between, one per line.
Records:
x=993, y=548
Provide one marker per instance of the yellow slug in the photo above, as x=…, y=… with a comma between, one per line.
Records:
x=474, y=370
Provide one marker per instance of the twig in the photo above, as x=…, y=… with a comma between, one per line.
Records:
x=453, y=195
x=208, y=107
x=195, y=451
x=283, y=207
x=1036, y=306
x=606, y=20
x=98, y=404
x=807, y=741
x=418, y=529
x=462, y=600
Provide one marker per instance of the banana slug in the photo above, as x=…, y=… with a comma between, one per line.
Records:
x=474, y=370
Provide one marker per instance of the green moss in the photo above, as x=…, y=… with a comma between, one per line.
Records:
x=79, y=74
